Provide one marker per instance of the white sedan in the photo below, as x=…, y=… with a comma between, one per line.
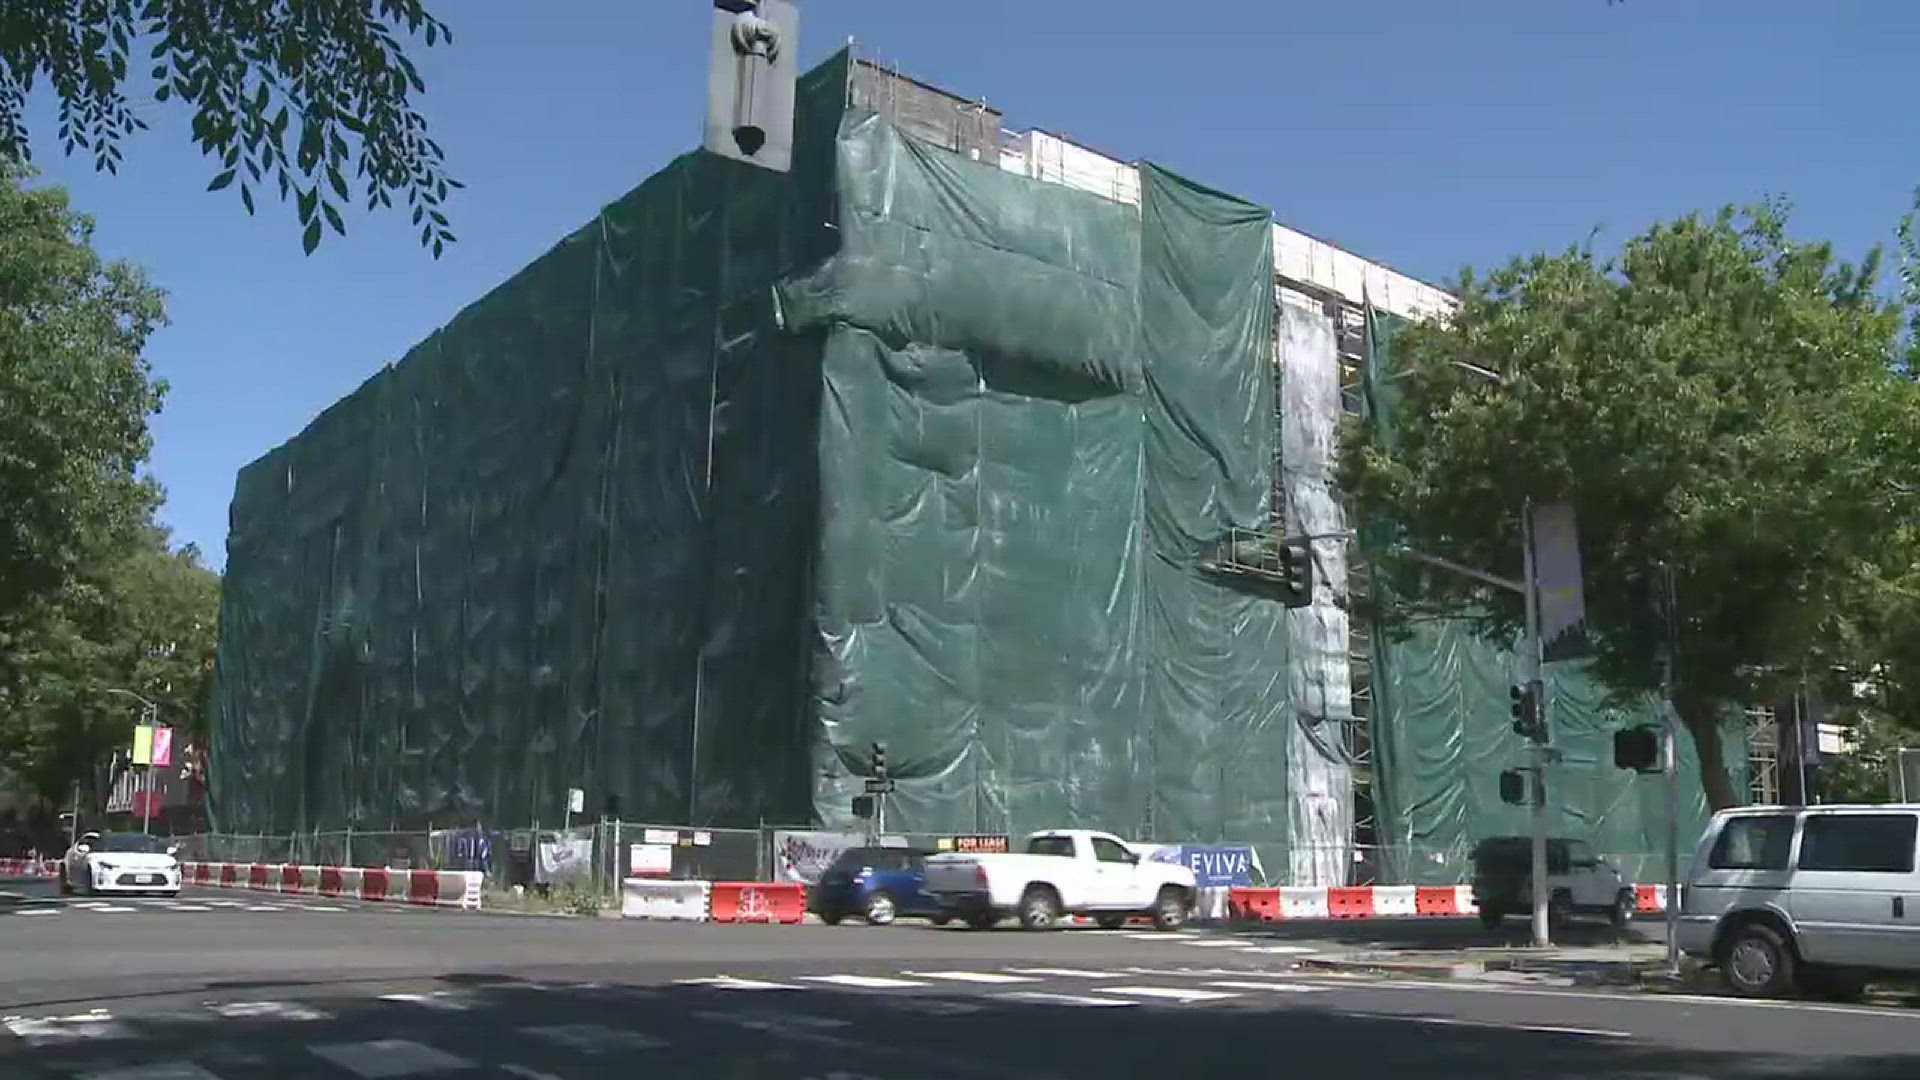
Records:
x=121, y=863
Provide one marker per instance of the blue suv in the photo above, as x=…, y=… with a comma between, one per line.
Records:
x=879, y=884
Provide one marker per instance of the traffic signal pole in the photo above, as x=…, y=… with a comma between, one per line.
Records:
x=1537, y=748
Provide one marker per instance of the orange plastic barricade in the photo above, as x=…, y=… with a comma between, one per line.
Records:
x=1262, y=905
x=759, y=901
x=1350, y=902
x=330, y=881
x=290, y=878
x=257, y=876
x=1437, y=900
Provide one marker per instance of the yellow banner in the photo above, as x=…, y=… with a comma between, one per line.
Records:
x=142, y=744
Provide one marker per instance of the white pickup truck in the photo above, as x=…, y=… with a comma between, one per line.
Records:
x=1061, y=871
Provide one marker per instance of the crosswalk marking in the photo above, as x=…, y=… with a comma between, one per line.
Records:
x=991, y=977
x=187, y=907
x=594, y=1038
x=1168, y=993
x=863, y=982
x=1277, y=987
x=38, y=911
x=46, y=1030
x=728, y=982
x=1214, y=943
x=437, y=999
x=269, y=1010
x=1067, y=973
x=265, y=907
x=1040, y=997
x=389, y=1059
x=1275, y=950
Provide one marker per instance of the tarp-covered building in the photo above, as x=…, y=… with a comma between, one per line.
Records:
x=910, y=445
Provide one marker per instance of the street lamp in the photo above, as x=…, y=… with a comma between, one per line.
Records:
x=152, y=716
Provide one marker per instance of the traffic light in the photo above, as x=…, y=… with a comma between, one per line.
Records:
x=1513, y=787
x=1527, y=720
x=751, y=68
x=1637, y=748
x=877, y=761
x=863, y=807
x=1296, y=575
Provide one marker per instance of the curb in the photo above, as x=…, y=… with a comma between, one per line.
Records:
x=1615, y=973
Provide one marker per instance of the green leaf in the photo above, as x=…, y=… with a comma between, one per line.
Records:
x=309, y=202
x=246, y=197
x=333, y=219
x=221, y=180
x=311, y=238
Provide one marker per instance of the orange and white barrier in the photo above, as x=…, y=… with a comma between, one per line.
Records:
x=1380, y=902
x=714, y=901
x=29, y=868
x=423, y=888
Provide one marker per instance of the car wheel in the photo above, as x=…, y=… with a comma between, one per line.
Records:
x=1039, y=908
x=831, y=918
x=1560, y=909
x=1110, y=922
x=1491, y=918
x=66, y=887
x=880, y=909
x=939, y=920
x=1624, y=906
x=1758, y=963
x=983, y=921
x=1169, y=909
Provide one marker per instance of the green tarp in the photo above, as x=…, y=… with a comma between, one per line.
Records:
x=754, y=470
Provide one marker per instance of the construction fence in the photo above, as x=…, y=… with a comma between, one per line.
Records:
x=596, y=856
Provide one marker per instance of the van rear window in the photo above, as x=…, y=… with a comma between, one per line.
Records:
x=1859, y=843
x=1753, y=842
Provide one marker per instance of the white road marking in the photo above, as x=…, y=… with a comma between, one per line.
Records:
x=172, y=1070
x=1277, y=950
x=1068, y=973
x=991, y=977
x=386, y=1059
x=525, y=1073
x=1215, y=943
x=437, y=999
x=269, y=1010
x=863, y=982
x=1279, y=987
x=324, y=907
x=111, y=909
x=1040, y=997
x=728, y=982
x=594, y=1038
x=1181, y=936
x=265, y=907
x=46, y=1030
x=38, y=911
x=1168, y=993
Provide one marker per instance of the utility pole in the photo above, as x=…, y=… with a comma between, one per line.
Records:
x=1671, y=762
x=1537, y=747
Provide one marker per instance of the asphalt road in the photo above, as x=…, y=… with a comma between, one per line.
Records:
x=158, y=993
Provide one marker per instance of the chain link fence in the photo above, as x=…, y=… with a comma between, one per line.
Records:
x=595, y=857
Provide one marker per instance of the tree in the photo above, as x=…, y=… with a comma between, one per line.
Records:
x=75, y=396
x=141, y=623
x=287, y=92
x=1716, y=398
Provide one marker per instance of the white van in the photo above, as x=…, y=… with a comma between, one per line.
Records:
x=1814, y=898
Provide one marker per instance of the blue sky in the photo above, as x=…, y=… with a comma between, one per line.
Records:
x=1424, y=134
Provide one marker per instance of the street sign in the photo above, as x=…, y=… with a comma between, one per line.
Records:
x=576, y=801
x=879, y=787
